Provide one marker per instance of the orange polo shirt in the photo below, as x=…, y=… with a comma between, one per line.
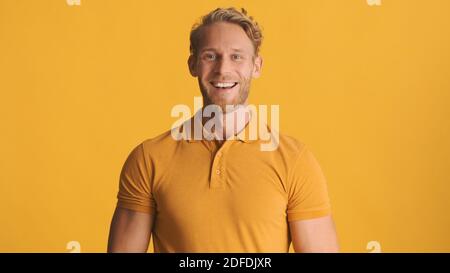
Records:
x=232, y=197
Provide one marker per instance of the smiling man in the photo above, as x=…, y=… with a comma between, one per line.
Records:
x=225, y=60
x=222, y=194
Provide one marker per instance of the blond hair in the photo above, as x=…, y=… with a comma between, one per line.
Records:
x=230, y=15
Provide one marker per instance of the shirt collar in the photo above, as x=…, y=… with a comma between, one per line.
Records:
x=243, y=136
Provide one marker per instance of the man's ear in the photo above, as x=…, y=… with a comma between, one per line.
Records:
x=257, y=67
x=192, y=63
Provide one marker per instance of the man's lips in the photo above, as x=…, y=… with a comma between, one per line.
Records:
x=223, y=85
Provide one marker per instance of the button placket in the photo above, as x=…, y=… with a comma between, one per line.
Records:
x=217, y=172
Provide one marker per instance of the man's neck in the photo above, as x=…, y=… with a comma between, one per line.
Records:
x=232, y=122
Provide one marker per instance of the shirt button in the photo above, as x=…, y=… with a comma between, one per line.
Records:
x=218, y=172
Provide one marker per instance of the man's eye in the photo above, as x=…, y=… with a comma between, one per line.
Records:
x=210, y=57
x=236, y=57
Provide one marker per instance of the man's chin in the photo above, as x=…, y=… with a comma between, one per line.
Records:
x=222, y=100
x=225, y=106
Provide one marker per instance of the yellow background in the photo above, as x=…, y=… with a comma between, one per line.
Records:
x=366, y=87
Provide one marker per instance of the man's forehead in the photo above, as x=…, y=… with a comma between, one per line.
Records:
x=223, y=35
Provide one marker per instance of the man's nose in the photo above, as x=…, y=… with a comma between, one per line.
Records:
x=223, y=66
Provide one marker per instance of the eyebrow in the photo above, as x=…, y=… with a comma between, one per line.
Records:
x=207, y=49
x=213, y=49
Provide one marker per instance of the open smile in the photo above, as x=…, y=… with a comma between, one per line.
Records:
x=224, y=85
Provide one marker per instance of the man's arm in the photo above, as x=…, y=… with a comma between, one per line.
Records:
x=130, y=231
x=314, y=235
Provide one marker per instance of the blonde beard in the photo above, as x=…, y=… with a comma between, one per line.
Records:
x=241, y=99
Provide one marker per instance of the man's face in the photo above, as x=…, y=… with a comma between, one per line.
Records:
x=225, y=64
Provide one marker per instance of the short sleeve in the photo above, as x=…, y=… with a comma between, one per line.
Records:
x=134, y=185
x=307, y=189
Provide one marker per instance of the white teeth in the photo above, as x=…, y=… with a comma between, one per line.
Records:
x=224, y=84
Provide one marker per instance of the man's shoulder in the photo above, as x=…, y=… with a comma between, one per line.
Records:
x=290, y=144
x=160, y=143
